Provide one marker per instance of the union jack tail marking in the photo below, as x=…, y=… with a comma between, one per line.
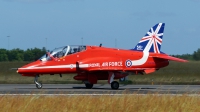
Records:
x=152, y=41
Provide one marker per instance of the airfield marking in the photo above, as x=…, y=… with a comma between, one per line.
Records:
x=99, y=94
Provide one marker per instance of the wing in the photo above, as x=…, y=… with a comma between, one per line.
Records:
x=167, y=57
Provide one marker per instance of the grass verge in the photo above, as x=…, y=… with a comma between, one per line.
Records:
x=123, y=103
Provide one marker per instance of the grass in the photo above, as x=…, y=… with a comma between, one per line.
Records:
x=175, y=73
x=123, y=103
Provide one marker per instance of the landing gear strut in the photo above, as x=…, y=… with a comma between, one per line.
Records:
x=38, y=85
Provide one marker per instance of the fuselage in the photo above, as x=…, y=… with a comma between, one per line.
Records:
x=95, y=58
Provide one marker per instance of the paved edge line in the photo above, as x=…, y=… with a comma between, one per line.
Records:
x=99, y=94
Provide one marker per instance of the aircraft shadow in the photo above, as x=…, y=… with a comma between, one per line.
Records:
x=94, y=88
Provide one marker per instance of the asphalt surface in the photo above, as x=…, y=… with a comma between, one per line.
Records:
x=98, y=89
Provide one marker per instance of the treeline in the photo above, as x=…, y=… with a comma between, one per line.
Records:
x=36, y=53
x=21, y=55
x=195, y=56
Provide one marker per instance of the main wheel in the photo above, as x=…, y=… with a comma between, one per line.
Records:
x=39, y=85
x=88, y=86
x=114, y=85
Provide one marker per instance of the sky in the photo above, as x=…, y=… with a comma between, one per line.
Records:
x=114, y=23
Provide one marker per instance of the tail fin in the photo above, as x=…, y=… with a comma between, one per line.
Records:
x=152, y=41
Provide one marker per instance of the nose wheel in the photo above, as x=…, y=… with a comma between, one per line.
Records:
x=38, y=85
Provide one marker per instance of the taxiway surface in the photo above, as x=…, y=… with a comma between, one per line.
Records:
x=97, y=89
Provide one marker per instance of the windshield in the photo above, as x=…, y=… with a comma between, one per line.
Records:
x=62, y=51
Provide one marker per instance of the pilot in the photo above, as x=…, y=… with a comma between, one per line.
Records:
x=60, y=54
x=75, y=50
x=81, y=48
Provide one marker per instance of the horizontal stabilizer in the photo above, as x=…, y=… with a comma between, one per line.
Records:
x=170, y=58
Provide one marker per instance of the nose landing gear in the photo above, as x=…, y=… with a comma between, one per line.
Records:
x=38, y=85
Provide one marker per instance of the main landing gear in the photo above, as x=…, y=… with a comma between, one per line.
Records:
x=115, y=85
x=38, y=85
x=88, y=85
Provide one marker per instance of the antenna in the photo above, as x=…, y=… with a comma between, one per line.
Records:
x=8, y=41
x=115, y=43
x=46, y=44
x=100, y=45
x=81, y=40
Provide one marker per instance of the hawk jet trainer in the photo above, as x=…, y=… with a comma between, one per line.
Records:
x=93, y=63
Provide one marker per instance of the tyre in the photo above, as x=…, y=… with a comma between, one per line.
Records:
x=39, y=86
x=114, y=85
x=88, y=86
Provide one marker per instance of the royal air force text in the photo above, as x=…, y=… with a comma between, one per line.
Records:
x=106, y=64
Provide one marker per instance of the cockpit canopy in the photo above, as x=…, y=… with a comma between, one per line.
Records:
x=63, y=51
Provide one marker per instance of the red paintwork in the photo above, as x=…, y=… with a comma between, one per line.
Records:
x=114, y=60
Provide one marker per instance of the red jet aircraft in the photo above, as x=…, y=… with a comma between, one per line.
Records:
x=93, y=63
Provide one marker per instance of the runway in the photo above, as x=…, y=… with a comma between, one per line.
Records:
x=98, y=89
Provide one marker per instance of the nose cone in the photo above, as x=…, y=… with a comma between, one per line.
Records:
x=17, y=70
x=28, y=69
x=21, y=70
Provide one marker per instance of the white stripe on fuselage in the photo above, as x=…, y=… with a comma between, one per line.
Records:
x=83, y=65
x=142, y=60
x=145, y=56
x=57, y=66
